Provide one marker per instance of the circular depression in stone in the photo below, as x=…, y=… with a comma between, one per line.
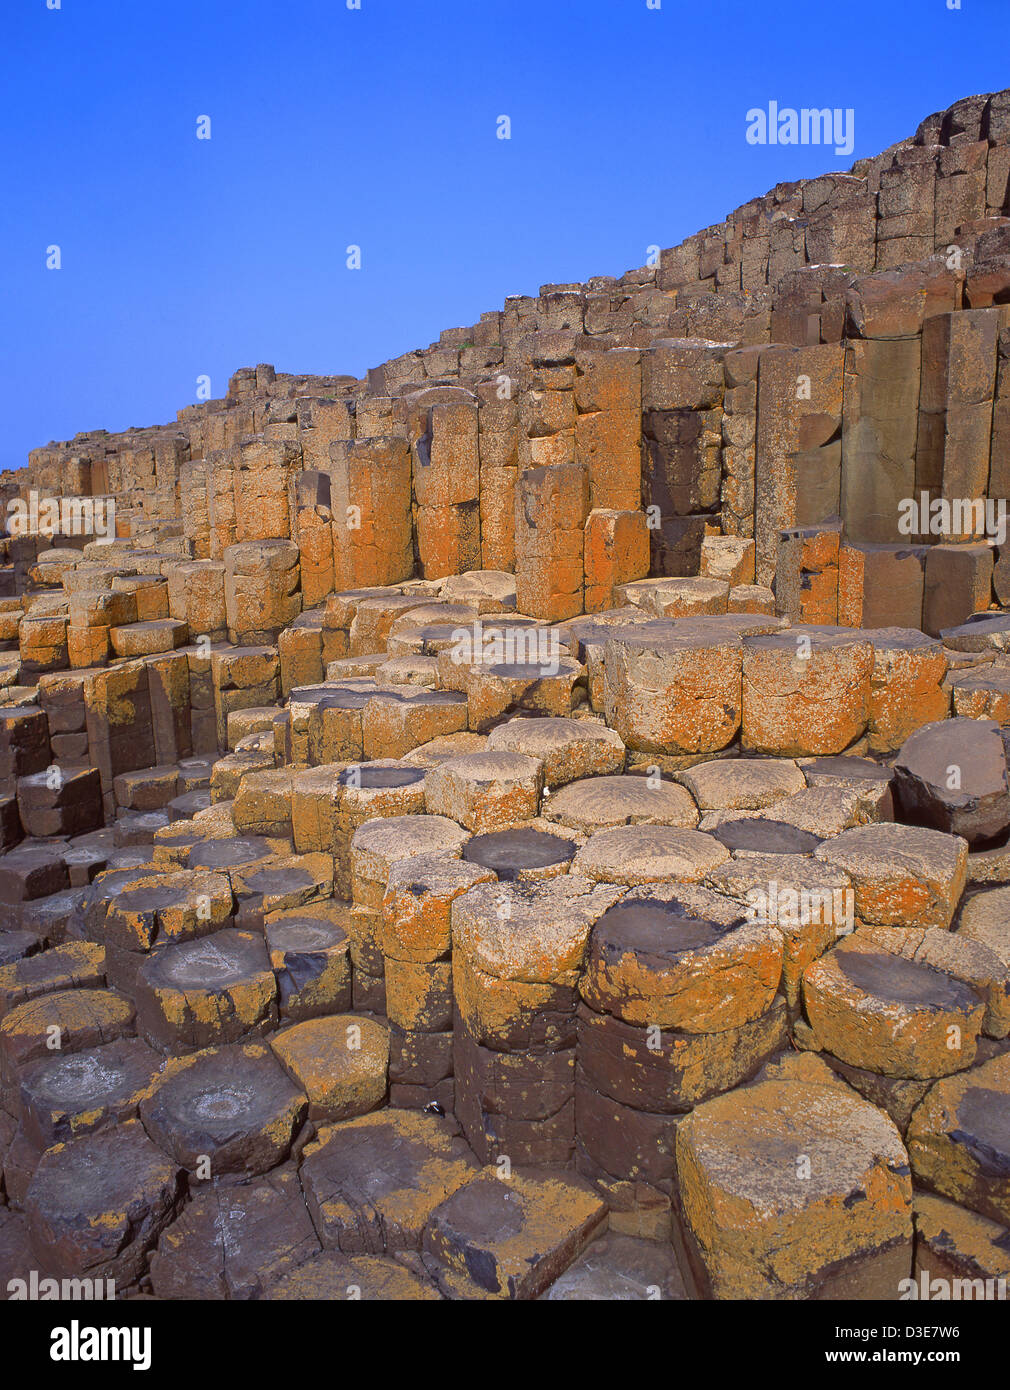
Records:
x=303, y=934
x=765, y=837
x=272, y=882
x=85, y=856
x=66, y=1096
x=201, y=965
x=905, y=981
x=664, y=930
x=151, y=898
x=234, y=1105
x=112, y=884
x=80, y=1078
x=487, y=1211
x=228, y=1103
x=508, y=852
x=344, y=699
x=228, y=854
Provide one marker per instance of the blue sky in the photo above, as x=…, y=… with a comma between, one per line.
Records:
x=329, y=126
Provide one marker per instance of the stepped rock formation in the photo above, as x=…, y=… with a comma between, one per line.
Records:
x=533, y=823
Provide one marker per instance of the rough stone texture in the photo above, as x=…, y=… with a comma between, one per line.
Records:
x=510, y=1240
x=372, y=1183
x=603, y=803
x=234, y=1242
x=952, y=776
x=874, y=1009
x=766, y=1226
x=648, y=853
x=125, y=1189
x=958, y=1142
x=805, y=691
x=901, y=875
x=600, y=855
x=657, y=961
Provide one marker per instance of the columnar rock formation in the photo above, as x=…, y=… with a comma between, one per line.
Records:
x=533, y=822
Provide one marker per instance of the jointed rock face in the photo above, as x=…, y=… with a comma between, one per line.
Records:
x=533, y=823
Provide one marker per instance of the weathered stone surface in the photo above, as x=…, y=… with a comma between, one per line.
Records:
x=809, y=902
x=310, y=957
x=648, y=854
x=200, y=993
x=669, y=691
x=417, y=904
x=510, y=1240
x=518, y=1105
x=234, y=1242
x=805, y=691
x=906, y=689
x=379, y=844
x=958, y=1141
x=567, y=750
x=486, y=791
x=518, y=949
x=97, y=1203
x=985, y=919
x=522, y=853
x=742, y=783
x=666, y=1071
x=744, y=509
x=952, y=775
x=77, y=964
x=967, y=1251
x=767, y=1225
x=619, y=1268
x=329, y=1276
x=875, y=1009
x=603, y=803
x=340, y=1062
x=901, y=875
x=64, y=1097
x=372, y=1183
x=224, y=1110
x=655, y=961
x=743, y=835
x=77, y=1018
